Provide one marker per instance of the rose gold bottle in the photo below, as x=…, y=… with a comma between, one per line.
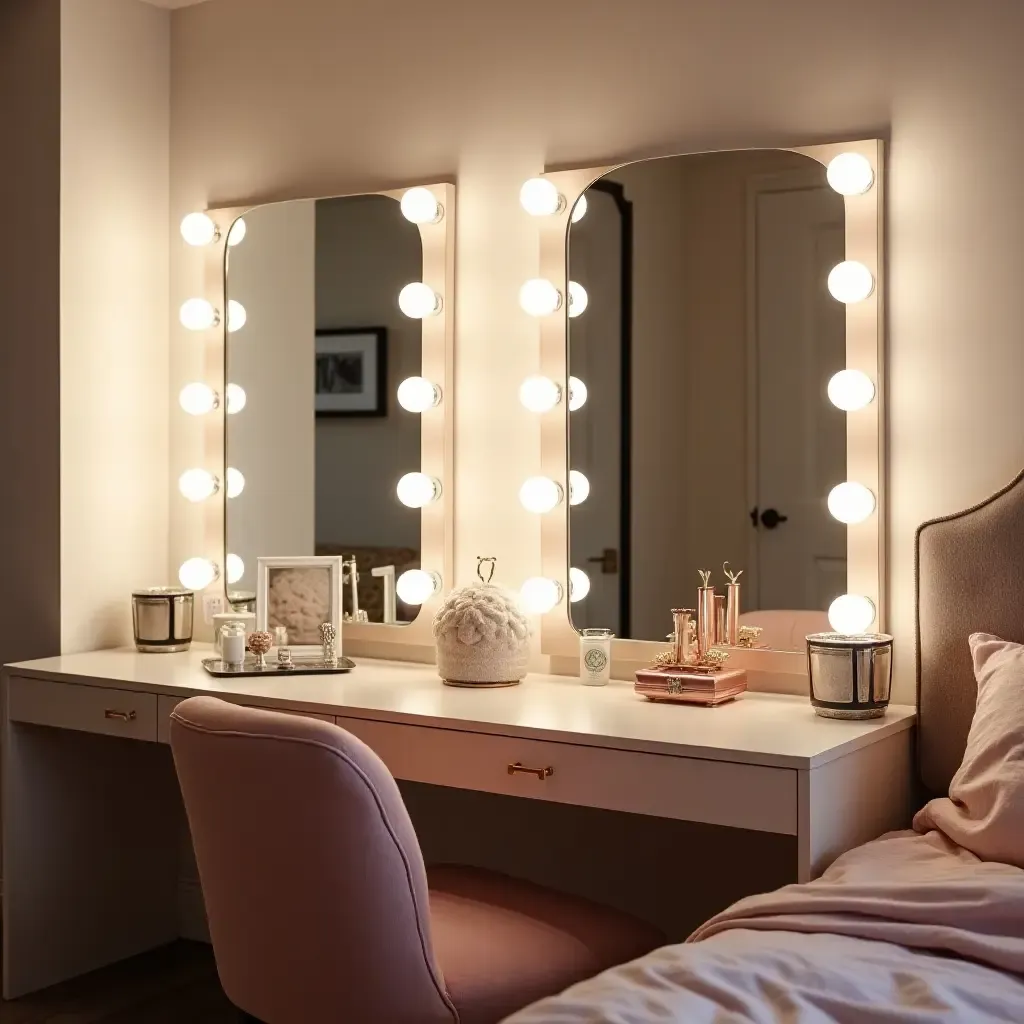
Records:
x=732, y=606
x=705, y=615
x=681, y=622
x=719, y=618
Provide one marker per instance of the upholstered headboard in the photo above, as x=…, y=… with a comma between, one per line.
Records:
x=970, y=578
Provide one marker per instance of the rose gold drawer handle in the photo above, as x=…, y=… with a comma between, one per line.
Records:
x=541, y=773
x=121, y=716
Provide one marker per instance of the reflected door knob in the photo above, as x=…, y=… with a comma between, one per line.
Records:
x=770, y=518
x=609, y=561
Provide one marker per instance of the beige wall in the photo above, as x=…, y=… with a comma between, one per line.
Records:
x=114, y=317
x=30, y=331
x=493, y=95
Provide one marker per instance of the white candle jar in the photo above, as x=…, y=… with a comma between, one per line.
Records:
x=595, y=656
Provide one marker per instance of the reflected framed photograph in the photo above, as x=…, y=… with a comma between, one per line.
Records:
x=299, y=594
x=351, y=371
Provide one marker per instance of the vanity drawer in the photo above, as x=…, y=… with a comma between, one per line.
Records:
x=84, y=708
x=691, y=789
x=168, y=704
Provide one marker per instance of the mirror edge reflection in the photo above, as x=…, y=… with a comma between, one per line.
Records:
x=205, y=444
x=866, y=542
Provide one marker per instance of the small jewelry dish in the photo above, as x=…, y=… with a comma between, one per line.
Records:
x=296, y=667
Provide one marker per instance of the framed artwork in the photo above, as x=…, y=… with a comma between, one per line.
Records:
x=299, y=593
x=351, y=371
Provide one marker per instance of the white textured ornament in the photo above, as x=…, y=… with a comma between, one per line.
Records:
x=482, y=637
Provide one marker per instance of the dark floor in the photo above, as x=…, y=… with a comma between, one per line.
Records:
x=174, y=985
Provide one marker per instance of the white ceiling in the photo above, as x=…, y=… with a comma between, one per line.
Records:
x=172, y=4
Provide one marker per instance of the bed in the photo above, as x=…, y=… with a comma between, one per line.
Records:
x=924, y=925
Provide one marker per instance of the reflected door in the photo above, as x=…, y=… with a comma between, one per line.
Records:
x=600, y=429
x=799, y=341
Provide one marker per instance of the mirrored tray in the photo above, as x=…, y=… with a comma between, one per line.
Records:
x=298, y=667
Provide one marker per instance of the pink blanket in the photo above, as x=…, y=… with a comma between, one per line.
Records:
x=905, y=930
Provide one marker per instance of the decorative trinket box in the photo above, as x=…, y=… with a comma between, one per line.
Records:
x=682, y=684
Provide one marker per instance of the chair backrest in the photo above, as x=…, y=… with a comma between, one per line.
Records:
x=313, y=879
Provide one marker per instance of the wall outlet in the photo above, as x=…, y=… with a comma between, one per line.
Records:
x=213, y=604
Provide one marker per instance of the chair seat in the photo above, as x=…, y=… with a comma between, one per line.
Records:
x=503, y=943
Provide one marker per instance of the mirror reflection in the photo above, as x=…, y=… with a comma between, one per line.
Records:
x=318, y=449
x=706, y=345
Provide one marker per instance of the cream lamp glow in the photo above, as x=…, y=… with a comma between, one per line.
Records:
x=577, y=394
x=851, y=614
x=198, y=573
x=539, y=394
x=236, y=399
x=417, y=489
x=418, y=301
x=539, y=297
x=237, y=232
x=199, y=229
x=197, y=399
x=417, y=394
x=579, y=487
x=198, y=484
x=540, y=494
x=540, y=198
x=198, y=315
x=851, y=502
x=850, y=281
x=236, y=482
x=579, y=211
x=415, y=586
x=235, y=568
x=236, y=316
x=578, y=299
x=850, y=174
x=420, y=206
x=851, y=390
x=538, y=595
x=579, y=584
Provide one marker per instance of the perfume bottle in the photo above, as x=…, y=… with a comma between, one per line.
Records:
x=705, y=615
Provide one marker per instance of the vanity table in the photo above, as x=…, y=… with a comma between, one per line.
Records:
x=92, y=814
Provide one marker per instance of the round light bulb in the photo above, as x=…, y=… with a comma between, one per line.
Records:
x=851, y=614
x=417, y=394
x=236, y=316
x=418, y=300
x=539, y=297
x=539, y=394
x=236, y=399
x=236, y=482
x=197, y=573
x=579, y=487
x=850, y=390
x=540, y=198
x=540, y=494
x=198, y=484
x=851, y=502
x=538, y=595
x=198, y=399
x=850, y=281
x=579, y=211
x=577, y=394
x=237, y=232
x=578, y=299
x=198, y=229
x=420, y=205
x=417, y=489
x=235, y=568
x=198, y=315
x=579, y=584
x=415, y=586
x=850, y=174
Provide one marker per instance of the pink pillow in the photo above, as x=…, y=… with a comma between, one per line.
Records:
x=984, y=812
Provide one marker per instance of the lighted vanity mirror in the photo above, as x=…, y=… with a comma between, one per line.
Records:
x=700, y=321
x=340, y=444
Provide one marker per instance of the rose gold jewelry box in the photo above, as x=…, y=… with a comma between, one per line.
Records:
x=685, y=686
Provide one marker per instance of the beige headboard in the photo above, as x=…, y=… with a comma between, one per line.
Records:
x=970, y=578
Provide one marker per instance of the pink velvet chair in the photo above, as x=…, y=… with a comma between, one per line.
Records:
x=320, y=909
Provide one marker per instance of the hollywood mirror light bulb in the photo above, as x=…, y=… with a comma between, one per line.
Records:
x=539, y=297
x=851, y=502
x=417, y=489
x=197, y=399
x=851, y=390
x=415, y=586
x=198, y=484
x=538, y=595
x=578, y=299
x=851, y=614
x=418, y=301
x=417, y=394
x=198, y=229
x=850, y=174
x=850, y=281
x=197, y=573
x=540, y=494
x=540, y=198
x=579, y=584
x=539, y=394
x=577, y=394
x=420, y=206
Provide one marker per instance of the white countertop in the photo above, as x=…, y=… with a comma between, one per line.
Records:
x=759, y=728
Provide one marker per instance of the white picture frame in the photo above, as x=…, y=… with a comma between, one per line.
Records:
x=295, y=592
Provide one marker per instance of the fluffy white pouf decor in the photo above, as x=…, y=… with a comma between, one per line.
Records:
x=482, y=637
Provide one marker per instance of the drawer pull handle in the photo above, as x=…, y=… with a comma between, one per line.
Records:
x=121, y=716
x=541, y=773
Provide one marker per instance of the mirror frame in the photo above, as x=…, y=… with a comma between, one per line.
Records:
x=412, y=642
x=865, y=435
